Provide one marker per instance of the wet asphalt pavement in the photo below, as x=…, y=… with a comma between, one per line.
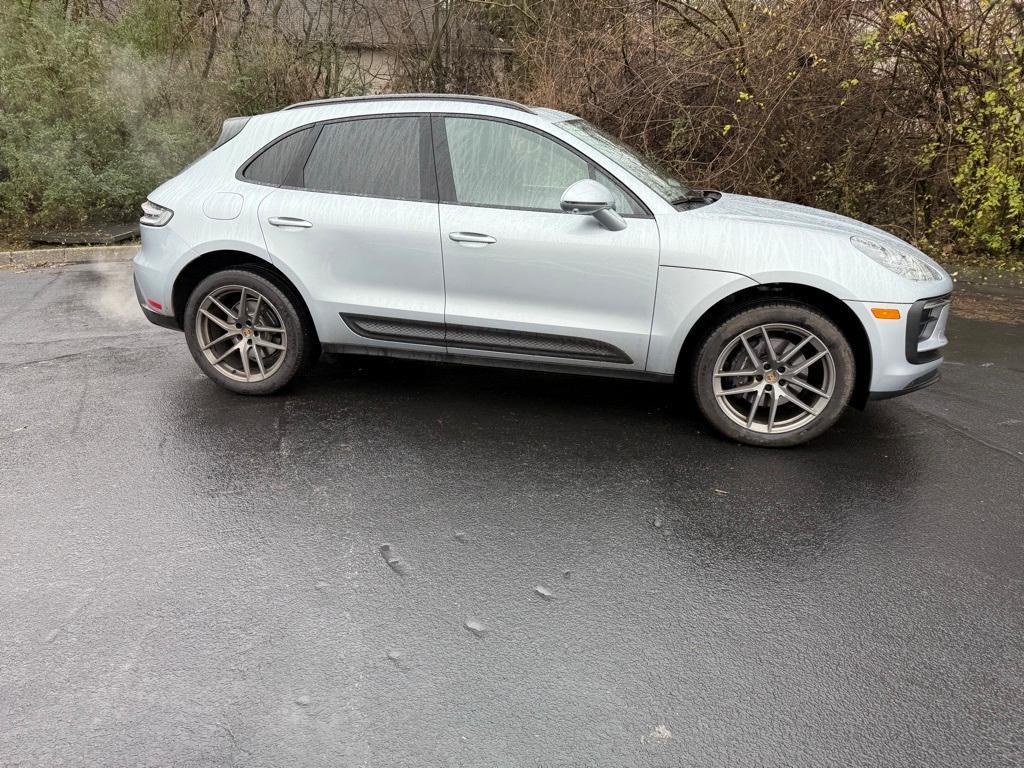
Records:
x=192, y=578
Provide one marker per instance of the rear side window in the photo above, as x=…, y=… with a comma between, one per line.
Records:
x=374, y=157
x=273, y=164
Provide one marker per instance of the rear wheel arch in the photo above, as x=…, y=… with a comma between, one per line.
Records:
x=216, y=261
x=834, y=309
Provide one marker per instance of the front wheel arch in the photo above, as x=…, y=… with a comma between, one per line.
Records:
x=834, y=309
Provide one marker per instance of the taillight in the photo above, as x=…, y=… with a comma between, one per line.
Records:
x=154, y=215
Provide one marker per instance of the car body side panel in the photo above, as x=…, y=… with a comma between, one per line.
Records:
x=552, y=273
x=361, y=256
x=191, y=233
x=684, y=295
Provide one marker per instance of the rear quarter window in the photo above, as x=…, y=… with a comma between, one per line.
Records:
x=275, y=164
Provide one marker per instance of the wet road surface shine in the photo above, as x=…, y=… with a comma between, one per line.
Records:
x=411, y=564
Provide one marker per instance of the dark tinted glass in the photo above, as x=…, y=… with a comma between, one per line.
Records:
x=274, y=163
x=377, y=157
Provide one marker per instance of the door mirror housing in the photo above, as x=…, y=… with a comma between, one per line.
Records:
x=589, y=198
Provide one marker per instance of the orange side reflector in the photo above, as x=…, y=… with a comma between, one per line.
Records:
x=885, y=314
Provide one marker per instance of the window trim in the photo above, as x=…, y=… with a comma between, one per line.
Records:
x=446, y=179
x=294, y=176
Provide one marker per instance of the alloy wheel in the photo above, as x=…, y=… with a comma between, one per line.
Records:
x=774, y=378
x=241, y=333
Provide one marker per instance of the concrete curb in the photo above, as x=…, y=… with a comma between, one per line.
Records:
x=38, y=256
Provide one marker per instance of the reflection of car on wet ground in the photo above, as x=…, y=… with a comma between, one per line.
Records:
x=478, y=230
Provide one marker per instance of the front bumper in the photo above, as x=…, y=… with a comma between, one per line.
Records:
x=905, y=353
x=920, y=383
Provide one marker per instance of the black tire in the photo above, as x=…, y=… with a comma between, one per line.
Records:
x=302, y=347
x=724, y=340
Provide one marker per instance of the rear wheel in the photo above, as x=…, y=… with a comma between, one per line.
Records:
x=775, y=374
x=246, y=333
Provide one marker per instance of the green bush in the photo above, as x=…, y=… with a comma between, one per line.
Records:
x=990, y=178
x=76, y=142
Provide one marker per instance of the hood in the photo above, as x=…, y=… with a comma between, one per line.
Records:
x=774, y=242
x=742, y=207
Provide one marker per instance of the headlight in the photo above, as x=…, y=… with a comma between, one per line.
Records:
x=901, y=262
x=154, y=215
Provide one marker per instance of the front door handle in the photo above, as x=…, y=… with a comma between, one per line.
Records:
x=471, y=238
x=288, y=221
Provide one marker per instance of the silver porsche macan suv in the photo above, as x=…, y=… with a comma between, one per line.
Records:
x=477, y=230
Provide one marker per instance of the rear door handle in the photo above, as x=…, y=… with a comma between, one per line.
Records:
x=288, y=221
x=472, y=238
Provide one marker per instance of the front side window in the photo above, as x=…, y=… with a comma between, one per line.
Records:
x=374, y=157
x=505, y=166
x=645, y=169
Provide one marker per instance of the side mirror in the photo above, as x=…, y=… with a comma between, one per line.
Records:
x=589, y=198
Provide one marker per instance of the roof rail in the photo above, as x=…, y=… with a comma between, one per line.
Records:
x=413, y=96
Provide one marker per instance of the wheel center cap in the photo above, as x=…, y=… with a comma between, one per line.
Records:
x=247, y=332
x=771, y=377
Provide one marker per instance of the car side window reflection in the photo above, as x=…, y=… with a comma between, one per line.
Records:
x=273, y=164
x=377, y=157
x=506, y=166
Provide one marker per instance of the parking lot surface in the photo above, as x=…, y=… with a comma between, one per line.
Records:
x=409, y=564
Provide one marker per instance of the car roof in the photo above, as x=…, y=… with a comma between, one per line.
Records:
x=488, y=100
x=486, y=105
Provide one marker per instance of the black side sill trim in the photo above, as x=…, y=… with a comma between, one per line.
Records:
x=488, y=339
x=393, y=329
x=919, y=383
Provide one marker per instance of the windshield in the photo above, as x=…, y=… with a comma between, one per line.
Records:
x=645, y=169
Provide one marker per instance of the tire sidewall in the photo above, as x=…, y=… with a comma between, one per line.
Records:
x=800, y=315
x=284, y=304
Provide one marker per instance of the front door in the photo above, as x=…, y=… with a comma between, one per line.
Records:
x=359, y=227
x=524, y=279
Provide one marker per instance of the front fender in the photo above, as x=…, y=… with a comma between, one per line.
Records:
x=772, y=252
x=683, y=297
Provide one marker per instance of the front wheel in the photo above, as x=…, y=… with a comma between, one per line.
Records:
x=246, y=333
x=775, y=374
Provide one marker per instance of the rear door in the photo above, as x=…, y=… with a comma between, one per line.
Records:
x=355, y=222
x=523, y=279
